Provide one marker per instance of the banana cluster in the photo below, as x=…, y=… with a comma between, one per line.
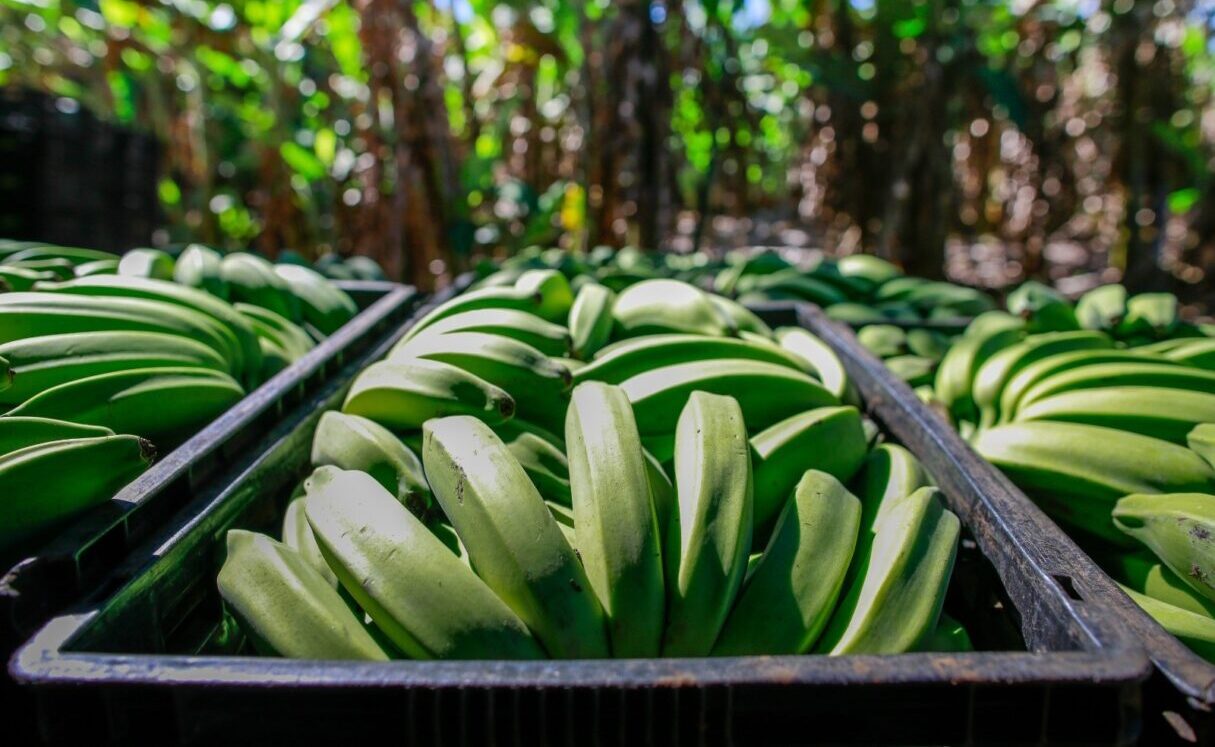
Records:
x=1103, y=413
x=93, y=345
x=539, y=472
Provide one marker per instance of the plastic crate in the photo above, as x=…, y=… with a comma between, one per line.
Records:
x=148, y=663
x=81, y=556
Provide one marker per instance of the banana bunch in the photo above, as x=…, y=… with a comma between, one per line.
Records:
x=633, y=472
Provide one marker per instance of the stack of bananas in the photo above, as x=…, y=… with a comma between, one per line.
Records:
x=93, y=345
x=1097, y=411
x=537, y=473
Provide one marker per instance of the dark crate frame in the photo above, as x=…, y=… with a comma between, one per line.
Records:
x=1079, y=682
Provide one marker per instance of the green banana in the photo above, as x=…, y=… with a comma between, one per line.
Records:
x=740, y=317
x=545, y=464
x=1078, y=471
x=20, y=432
x=1043, y=308
x=72, y=254
x=590, y=321
x=189, y=299
x=252, y=280
x=274, y=359
x=6, y=374
x=955, y=377
x=791, y=285
x=889, y=474
x=39, y=363
x=482, y=298
x=999, y=369
x=1061, y=366
x=21, y=279
x=428, y=603
x=322, y=304
x=662, y=306
x=553, y=290
x=789, y=595
x=539, y=387
x=268, y=325
x=36, y=314
x=1198, y=353
x=765, y=391
x=513, y=541
x=403, y=395
x=1144, y=573
x=827, y=439
x=895, y=599
x=914, y=370
x=883, y=340
x=927, y=344
x=1201, y=441
x=352, y=442
x=616, y=526
x=1179, y=529
x=146, y=263
x=821, y=359
x=708, y=536
x=298, y=535
x=200, y=267
x=285, y=606
x=47, y=483
x=662, y=491
x=1159, y=412
x=550, y=339
x=641, y=354
x=97, y=267
x=875, y=270
x=1154, y=315
x=1195, y=631
x=1102, y=308
x=58, y=269
x=564, y=516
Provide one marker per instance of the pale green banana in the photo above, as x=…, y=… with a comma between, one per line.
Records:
x=553, y=290
x=428, y=603
x=765, y=391
x=1043, y=308
x=550, y=339
x=513, y=541
x=252, y=280
x=1198, y=353
x=1179, y=528
x=545, y=465
x=403, y=395
x=97, y=267
x=708, y=537
x=740, y=317
x=1102, y=308
x=322, y=304
x=1201, y=441
x=482, y=298
x=895, y=599
x=1154, y=315
x=20, y=432
x=638, y=355
x=297, y=534
x=889, y=474
x=1195, y=631
x=789, y=595
x=74, y=255
x=821, y=359
x=616, y=526
x=22, y=279
x=1057, y=366
x=1164, y=413
x=1144, y=573
x=146, y=263
x=995, y=374
x=200, y=267
x=48, y=483
x=955, y=377
x=352, y=442
x=268, y=325
x=827, y=439
x=286, y=607
x=660, y=305
x=591, y=320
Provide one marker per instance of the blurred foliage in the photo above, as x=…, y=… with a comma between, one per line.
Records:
x=988, y=140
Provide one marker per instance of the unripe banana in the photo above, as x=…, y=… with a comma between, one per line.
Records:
x=564, y=516
x=1164, y=413
x=268, y=325
x=955, y=377
x=740, y=317
x=591, y=320
x=1144, y=573
x=545, y=465
x=1102, y=308
x=1058, y=366
x=914, y=370
x=791, y=286
x=482, y=298
x=322, y=304
x=201, y=267
x=352, y=442
x=1077, y=472
x=97, y=267
x=21, y=279
x=1000, y=368
x=661, y=491
x=1197, y=353
x=539, y=387
x=789, y=595
x=827, y=439
x=59, y=269
x=402, y=395
x=285, y=606
x=74, y=255
x=883, y=340
x=297, y=534
x=39, y=363
x=553, y=289
x=146, y=263
x=428, y=603
x=1154, y=315
x=47, y=483
x=640, y=354
x=660, y=305
x=550, y=339
x=1043, y=308
x=765, y=391
x=1195, y=631
x=896, y=598
x=889, y=474
x=1179, y=529
x=513, y=542
x=614, y=517
x=20, y=432
x=950, y=636
x=252, y=280
x=821, y=359
x=708, y=536
x=1201, y=441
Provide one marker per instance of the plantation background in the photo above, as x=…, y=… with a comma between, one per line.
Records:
x=982, y=141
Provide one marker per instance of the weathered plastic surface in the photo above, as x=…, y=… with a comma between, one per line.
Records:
x=151, y=662
x=78, y=558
